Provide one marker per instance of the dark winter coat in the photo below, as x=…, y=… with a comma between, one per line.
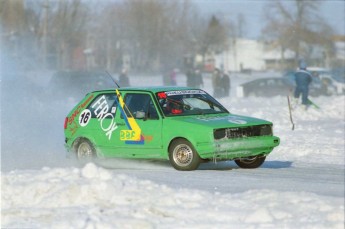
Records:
x=302, y=78
x=123, y=80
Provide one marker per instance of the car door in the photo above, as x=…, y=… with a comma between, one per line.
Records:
x=139, y=125
x=98, y=121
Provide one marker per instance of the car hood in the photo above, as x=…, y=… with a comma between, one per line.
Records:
x=222, y=121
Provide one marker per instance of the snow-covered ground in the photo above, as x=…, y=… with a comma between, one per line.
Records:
x=301, y=184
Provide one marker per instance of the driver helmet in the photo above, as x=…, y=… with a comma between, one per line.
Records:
x=174, y=107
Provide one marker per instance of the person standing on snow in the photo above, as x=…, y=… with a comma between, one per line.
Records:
x=173, y=77
x=190, y=78
x=199, y=82
x=217, y=83
x=123, y=79
x=302, y=78
x=226, y=84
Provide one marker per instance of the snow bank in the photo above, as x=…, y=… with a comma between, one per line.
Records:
x=93, y=197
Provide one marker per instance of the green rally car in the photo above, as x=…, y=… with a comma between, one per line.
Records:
x=185, y=125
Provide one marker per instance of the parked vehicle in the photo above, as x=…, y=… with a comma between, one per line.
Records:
x=323, y=82
x=328, y=82
x=185, y=125
x=77, y=84
x=265, y=87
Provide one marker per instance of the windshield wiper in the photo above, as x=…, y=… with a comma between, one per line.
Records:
x=213, y=105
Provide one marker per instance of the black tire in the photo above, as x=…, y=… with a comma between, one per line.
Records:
x=183, y=156
x=85, y=150
x=250, y=163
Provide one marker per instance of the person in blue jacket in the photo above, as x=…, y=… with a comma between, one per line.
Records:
x=303, y=78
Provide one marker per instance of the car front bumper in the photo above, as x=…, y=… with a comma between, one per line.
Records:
x=229, y=149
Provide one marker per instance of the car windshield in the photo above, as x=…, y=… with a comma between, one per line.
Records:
x=188, y=102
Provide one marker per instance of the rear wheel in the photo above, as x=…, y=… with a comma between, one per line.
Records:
x=183, y=156
x=85, y=150
x=250, y=162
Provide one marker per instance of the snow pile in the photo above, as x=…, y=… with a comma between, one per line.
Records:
x=93, y=197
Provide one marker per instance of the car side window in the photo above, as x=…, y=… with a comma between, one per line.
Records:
x=102, y=105
x=152, y=112
x=140, y=106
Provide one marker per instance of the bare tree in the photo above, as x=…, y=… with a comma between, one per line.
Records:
x=20, y=32
x=67, y=28
x=296, y=25
x=155, y=34
x=39, y=30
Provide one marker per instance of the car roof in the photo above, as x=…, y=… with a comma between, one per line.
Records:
x=317, y=69
x=153, y=89
x=264, y=79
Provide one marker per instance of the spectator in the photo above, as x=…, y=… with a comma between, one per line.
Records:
x=216, y=83
x=190, y=78
x=226, y=84
x=173, y=77
x=166, y=77
x=198, y=78
x=123, y=79
x=303, y=78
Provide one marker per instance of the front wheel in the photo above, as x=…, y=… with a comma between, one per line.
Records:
x=250, y=162
x=183, y=156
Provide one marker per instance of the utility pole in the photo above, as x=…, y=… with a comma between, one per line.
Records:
x=45, y=34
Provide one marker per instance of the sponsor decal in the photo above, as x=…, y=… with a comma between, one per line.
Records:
x=73, y=128
x=185, y=92
x=79, y=108
x=207, y=119
x=162, y=95
x=101, y=112
x=232, y=119
x=133, y=134
x=148, y=138
x=237, y=120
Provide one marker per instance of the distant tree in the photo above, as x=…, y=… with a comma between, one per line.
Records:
x=215, y=37
x=38, y=30
x=296, y=25
x=67, y=28
x=154, y=33
x=12, y=14
x=19, y=31
x=110, y=34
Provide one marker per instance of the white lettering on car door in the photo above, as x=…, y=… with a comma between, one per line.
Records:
x=101, y=113
x=109, y=130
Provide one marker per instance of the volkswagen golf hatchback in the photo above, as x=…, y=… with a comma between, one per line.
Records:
x=184, y=125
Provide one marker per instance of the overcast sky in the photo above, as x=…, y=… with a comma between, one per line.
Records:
x=253, y=10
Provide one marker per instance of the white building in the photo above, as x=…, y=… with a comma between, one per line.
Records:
x=242, y=54
x=252, y=55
